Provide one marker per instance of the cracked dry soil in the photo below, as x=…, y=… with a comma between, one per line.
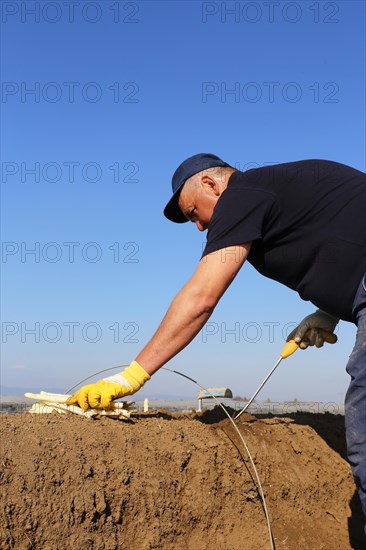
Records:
x=165, y=481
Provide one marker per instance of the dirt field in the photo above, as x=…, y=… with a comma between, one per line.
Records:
x=175, y=482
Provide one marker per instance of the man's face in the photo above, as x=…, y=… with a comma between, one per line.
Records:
x=198, y=203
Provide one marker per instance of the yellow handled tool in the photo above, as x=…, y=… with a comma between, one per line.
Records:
x=288, y=349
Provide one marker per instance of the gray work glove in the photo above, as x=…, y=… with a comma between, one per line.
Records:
x=309, y=331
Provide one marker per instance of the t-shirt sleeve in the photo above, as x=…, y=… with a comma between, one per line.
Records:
x=239, y=216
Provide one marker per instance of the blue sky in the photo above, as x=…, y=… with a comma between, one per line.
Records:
x=100, y=103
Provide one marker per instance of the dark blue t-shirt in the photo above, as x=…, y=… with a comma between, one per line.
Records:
x=307, y=224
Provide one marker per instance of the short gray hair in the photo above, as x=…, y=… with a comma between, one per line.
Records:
x=217, y=171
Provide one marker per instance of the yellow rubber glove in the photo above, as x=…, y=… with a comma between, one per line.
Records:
x=101, y=394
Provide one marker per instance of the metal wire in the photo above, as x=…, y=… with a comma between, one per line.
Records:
x=94, y=374
x=247, y=405
x=261, y=493
x=245, y=447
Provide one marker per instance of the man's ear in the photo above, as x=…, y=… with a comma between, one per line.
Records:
x=210, y=185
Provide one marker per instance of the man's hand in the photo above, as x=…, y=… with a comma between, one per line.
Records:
x=309, y=331
x=101, y=394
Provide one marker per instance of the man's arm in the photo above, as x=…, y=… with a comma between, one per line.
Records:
x=193, y=305
x=187, y=314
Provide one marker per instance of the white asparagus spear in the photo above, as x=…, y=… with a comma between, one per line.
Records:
x=47, y=405
x=62, y=398
x=91, y=412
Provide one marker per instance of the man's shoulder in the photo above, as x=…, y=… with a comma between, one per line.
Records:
x=301, y=170
x=267, y=167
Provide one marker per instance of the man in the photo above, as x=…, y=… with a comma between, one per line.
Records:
x=300, y=223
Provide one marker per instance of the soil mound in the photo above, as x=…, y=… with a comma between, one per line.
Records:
x=175, y=482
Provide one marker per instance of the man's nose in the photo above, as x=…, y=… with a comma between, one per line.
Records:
x=200, y=226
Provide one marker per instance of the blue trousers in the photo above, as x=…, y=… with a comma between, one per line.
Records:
x=355, y=401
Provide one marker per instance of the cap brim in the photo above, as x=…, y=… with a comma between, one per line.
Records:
x=172, y=210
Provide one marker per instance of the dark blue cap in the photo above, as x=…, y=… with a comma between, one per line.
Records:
x=188, y=168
